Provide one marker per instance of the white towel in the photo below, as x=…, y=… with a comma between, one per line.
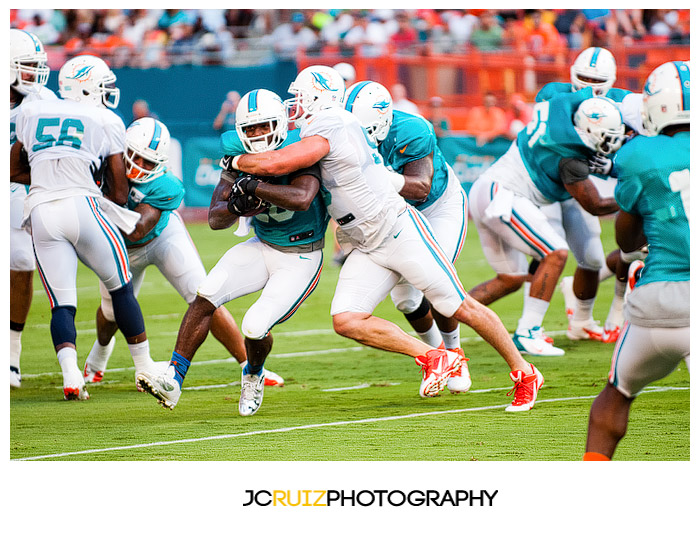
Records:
x=501, y=205
x=122, y=217
x=243, y=227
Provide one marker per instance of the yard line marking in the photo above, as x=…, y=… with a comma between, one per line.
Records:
x=219, y=361
x=361, y=386
x=315, y=426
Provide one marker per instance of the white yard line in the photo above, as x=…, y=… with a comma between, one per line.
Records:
x=315, y=426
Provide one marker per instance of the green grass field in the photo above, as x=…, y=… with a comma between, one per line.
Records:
x=350, y=402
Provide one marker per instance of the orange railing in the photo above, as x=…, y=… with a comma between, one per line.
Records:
x=462, y=79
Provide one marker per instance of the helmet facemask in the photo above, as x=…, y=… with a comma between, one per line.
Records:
x=263, y=111
x=146, y=154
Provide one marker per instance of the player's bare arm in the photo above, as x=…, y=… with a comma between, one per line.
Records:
x=19, y=168
x=149, y=218
x=574, y=176
x=629, y=231
x=296, y=196
x=219, y=216
x=118, y=184
x=302, y=154
x=419, y=178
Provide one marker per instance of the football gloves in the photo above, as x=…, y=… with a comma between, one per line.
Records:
x=242, y=200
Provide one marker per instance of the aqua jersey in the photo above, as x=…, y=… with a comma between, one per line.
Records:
x=411, y=138
x=276, y=225
x=165, y=193
x=551, y=136
x=555, y=88
x=654, y=182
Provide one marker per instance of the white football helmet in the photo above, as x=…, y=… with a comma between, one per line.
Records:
x=600, y=124
x=666, y=98
x=594, y=67
x=257, y=107
x=315, y=88
x=371, y=103
x=88, y=79
x=149, y=139
x=28, y=69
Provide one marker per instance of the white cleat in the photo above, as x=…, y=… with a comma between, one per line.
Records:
x=533, y=342
x=161, y=385
x=460, y=381
x=252, y=390
x=585, y=330
x=15, y=377
x=74, y=386
x=272, y=379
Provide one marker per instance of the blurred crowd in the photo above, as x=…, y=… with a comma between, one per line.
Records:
x=160, y=37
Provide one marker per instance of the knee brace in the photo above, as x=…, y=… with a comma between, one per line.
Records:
x=423, y=309
x=127, y=312
x=63, y=325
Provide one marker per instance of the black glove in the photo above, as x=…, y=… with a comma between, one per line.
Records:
x=245, y=185
x=242, y=204
x=600, y=164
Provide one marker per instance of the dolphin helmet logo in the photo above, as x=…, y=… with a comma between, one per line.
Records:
x=82, y=73
x=322, y=82
x=382, y=106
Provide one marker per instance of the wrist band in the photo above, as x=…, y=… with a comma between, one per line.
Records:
x=234, y=162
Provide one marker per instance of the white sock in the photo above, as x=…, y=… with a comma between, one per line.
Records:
x=141, y=354
x=616, y=317
x=99, y=355
x=68, y=359
x=451, y=338
x=15, y=347
x=534, y=310
x=583, y=310
x=432, y=336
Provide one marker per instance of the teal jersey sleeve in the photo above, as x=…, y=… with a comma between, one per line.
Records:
x=551, y=136
x=553, y=89
x=658, y=190
x=164, y=193
x=411, y=138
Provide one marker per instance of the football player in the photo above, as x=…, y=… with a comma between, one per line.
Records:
x=67, y=141
x=548, y=162
x=283, y=259
x=595, y=67
x=159, y=239
x=408, y=145
x=653, y=192
x=386, y=238
x=28, y=76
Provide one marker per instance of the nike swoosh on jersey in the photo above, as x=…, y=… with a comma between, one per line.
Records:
x=404, y=149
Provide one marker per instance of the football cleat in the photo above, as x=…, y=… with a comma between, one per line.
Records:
x=74, y=386
x=525, y=389
x=460, y=381
x=15, y=377
x=252, y=390
x=585, y=330
x=438, y=365
x=272, y=379
x=162, y=385
x=566, y=285
x=533, y=342
x=611, y=335
x=92, y=376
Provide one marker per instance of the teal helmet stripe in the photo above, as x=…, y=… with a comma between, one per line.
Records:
x=594, y=57
x=37, y=44
x=253, y=101
x=155, y=140
x=353, y=95
x=684, y=77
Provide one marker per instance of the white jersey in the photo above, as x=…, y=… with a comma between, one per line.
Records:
x=631, y=110
x=362, y=199
x=66, y=142
x=44, y=93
